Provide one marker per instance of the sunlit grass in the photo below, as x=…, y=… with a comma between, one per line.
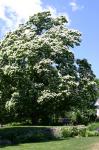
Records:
x=83, y=143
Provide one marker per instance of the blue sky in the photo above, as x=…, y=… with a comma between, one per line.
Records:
x=82, y=15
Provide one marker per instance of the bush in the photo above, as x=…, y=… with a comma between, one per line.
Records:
x=93, y=126
x=26, y=134
x=92, y=133
x=82, y=131
x=81, y=117
x=73, y=131
x=66, y=132
x=23, y=134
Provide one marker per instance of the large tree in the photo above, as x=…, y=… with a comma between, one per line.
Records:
x=38, y=73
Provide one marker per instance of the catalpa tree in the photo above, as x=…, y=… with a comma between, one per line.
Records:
x=38, y=72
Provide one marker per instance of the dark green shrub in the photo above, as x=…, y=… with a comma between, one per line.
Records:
x=32, y=134
x=75, y=131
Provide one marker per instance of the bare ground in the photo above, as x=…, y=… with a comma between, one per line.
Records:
x=95, y=146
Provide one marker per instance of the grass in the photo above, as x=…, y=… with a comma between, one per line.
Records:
x=83, y=143
x=42, y=138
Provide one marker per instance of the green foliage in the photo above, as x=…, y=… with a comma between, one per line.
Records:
x=97, y=87
x=92, y=133
x=79, y=131
x=87, y=91
x=20, y=134
x=93, y=126
x=66, y=132
x=73, y=131
x=82, y=131
x=39, y=74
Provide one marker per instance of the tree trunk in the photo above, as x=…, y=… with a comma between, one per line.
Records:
x=34, y=118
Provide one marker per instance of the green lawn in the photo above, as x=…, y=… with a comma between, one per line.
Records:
x=83, y=143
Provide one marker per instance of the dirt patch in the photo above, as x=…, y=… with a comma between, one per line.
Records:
x=95, y=146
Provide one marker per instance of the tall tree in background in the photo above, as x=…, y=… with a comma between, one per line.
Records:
x=97, y=87
x=86, y=90
x=39, y=77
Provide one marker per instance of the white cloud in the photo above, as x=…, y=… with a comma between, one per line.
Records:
x=22, y=8
x=75, y=6
x=55, y=13
x=14, y=12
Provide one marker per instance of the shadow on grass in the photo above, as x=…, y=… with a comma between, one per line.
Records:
x=28, y=134
x=42, y=141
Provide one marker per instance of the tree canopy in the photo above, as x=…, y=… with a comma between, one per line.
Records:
x=40, y=77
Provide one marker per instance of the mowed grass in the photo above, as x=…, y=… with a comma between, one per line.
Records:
x=83, y=143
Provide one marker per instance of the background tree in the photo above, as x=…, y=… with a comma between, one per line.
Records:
x=86, y=91
x=97, y=87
